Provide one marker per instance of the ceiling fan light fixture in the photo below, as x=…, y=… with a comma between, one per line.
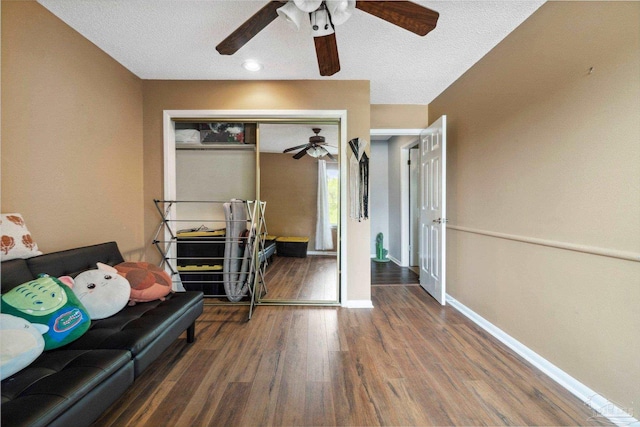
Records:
x=316, y=152
x=340, y=10
x=308, y=5
x=292, y=14
x=321, y=23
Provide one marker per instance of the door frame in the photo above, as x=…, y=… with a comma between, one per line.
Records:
x=404, y=185
x=169, y=176
x=414, y=190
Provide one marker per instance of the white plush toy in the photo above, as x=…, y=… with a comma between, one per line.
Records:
x=21, y=343
x=103, y=292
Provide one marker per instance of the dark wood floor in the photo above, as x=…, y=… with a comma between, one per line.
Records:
x=313, y=278
x=390, y=273
x=408, y=361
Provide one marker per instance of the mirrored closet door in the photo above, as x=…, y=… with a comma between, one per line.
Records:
x=300, y=183
x=294, y=168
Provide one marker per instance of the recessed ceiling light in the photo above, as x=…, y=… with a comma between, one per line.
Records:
x=252, y=65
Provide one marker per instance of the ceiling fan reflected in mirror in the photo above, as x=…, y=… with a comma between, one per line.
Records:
x=315, y=147
x=323, y=16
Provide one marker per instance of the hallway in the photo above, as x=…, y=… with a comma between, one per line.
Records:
x=389, y=273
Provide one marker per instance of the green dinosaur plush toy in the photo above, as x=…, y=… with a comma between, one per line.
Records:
x=47, y=301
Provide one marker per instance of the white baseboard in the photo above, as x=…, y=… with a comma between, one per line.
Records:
x=601, y=406
x=328, y=253
x=358, y=303
x=394, y=259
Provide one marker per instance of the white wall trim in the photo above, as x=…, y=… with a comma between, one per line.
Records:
x=591, y=398
x=358, y=303
x=612, y=253
x=328, y=253
x=395, y=260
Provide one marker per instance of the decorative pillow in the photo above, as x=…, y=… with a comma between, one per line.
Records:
x=16, y=239
x=47, y=301
x=20, y=344
x=148, y=282
x=103, y=292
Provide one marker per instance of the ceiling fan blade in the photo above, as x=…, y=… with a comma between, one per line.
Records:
x=331, y=156
x=408, y=15
x=294, y=148
x=327, y=53
x=250, y=28
x=300, y=154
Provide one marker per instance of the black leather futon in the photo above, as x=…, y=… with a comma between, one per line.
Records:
x=72, y=385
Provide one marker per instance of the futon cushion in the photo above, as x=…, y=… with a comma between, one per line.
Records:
x=136, y=326
x=14, y=273
x=74, y=261
x=55, y=381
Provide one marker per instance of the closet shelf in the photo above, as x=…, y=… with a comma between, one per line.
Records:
x=221, y=146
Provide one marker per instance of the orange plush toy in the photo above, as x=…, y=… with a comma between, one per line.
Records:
x=148, y=282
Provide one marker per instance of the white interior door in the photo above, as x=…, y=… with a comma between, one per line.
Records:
x=433, y=197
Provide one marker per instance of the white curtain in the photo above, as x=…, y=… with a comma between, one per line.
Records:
x=324, y=240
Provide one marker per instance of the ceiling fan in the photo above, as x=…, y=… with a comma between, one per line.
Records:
x=324, y=15
x=314, y=148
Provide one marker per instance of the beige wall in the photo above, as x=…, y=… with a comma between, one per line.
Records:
x=352, y=96
x=196, y=170
x=399, y=116
x=540, y=148
x=290, y=188
x=71, y=135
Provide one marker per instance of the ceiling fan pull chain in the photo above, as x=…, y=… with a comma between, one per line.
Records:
x=329, y=18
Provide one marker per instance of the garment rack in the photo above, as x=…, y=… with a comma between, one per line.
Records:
x=167, y=239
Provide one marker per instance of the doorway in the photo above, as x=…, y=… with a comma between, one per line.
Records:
x=399, y=142
x=431, y=246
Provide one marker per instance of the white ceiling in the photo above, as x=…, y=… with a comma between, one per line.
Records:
x=176, y=39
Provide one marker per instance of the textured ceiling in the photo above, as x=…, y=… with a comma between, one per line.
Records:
x=176, y=39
